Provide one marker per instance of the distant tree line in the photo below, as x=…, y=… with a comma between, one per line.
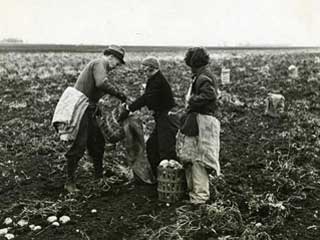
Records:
x=11, y=40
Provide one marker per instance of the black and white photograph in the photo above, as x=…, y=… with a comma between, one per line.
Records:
x=159, y=120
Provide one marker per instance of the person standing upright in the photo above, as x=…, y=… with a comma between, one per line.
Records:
x=199, y=141
x=157, y=97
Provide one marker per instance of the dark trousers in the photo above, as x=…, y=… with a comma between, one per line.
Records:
x=89, y=137
x=162, y=141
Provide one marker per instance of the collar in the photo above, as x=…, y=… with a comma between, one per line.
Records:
x=200, y=70
x=155, y=74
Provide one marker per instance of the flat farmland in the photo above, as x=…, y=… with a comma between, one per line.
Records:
x=270, y=187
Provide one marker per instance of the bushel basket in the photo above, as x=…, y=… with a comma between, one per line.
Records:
x=171, y=184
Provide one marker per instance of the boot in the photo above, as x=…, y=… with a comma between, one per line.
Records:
x=70, y=185
x=98, y=169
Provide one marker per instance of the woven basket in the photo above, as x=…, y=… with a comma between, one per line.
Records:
x=171, y=184
x=112, y=130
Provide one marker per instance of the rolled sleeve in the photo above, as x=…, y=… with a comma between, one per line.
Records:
x=102, y=81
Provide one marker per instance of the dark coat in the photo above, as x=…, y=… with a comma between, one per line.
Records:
x=204, y=92
x=157, y=96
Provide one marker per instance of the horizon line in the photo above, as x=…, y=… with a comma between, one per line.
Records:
x=266, y=45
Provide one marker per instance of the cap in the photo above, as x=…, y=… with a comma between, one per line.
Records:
x=151, y=62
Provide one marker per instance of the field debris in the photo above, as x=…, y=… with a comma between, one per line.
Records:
x=275, y=104
x=293, y=72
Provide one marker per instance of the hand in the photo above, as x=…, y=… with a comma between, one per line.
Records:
x=97, y=112
x=123, y=115
x=122, y=97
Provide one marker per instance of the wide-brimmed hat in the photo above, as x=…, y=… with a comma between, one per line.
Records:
x=116, y=51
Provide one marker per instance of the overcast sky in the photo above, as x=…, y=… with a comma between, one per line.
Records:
x=162, y=22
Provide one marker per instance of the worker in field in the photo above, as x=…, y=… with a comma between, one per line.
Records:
x=198, y=141
x=75, y=117
x=157, y=97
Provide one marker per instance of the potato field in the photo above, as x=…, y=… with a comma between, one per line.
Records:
x=270, y=188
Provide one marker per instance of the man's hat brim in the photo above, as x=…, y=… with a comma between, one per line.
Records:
x=115, y=53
